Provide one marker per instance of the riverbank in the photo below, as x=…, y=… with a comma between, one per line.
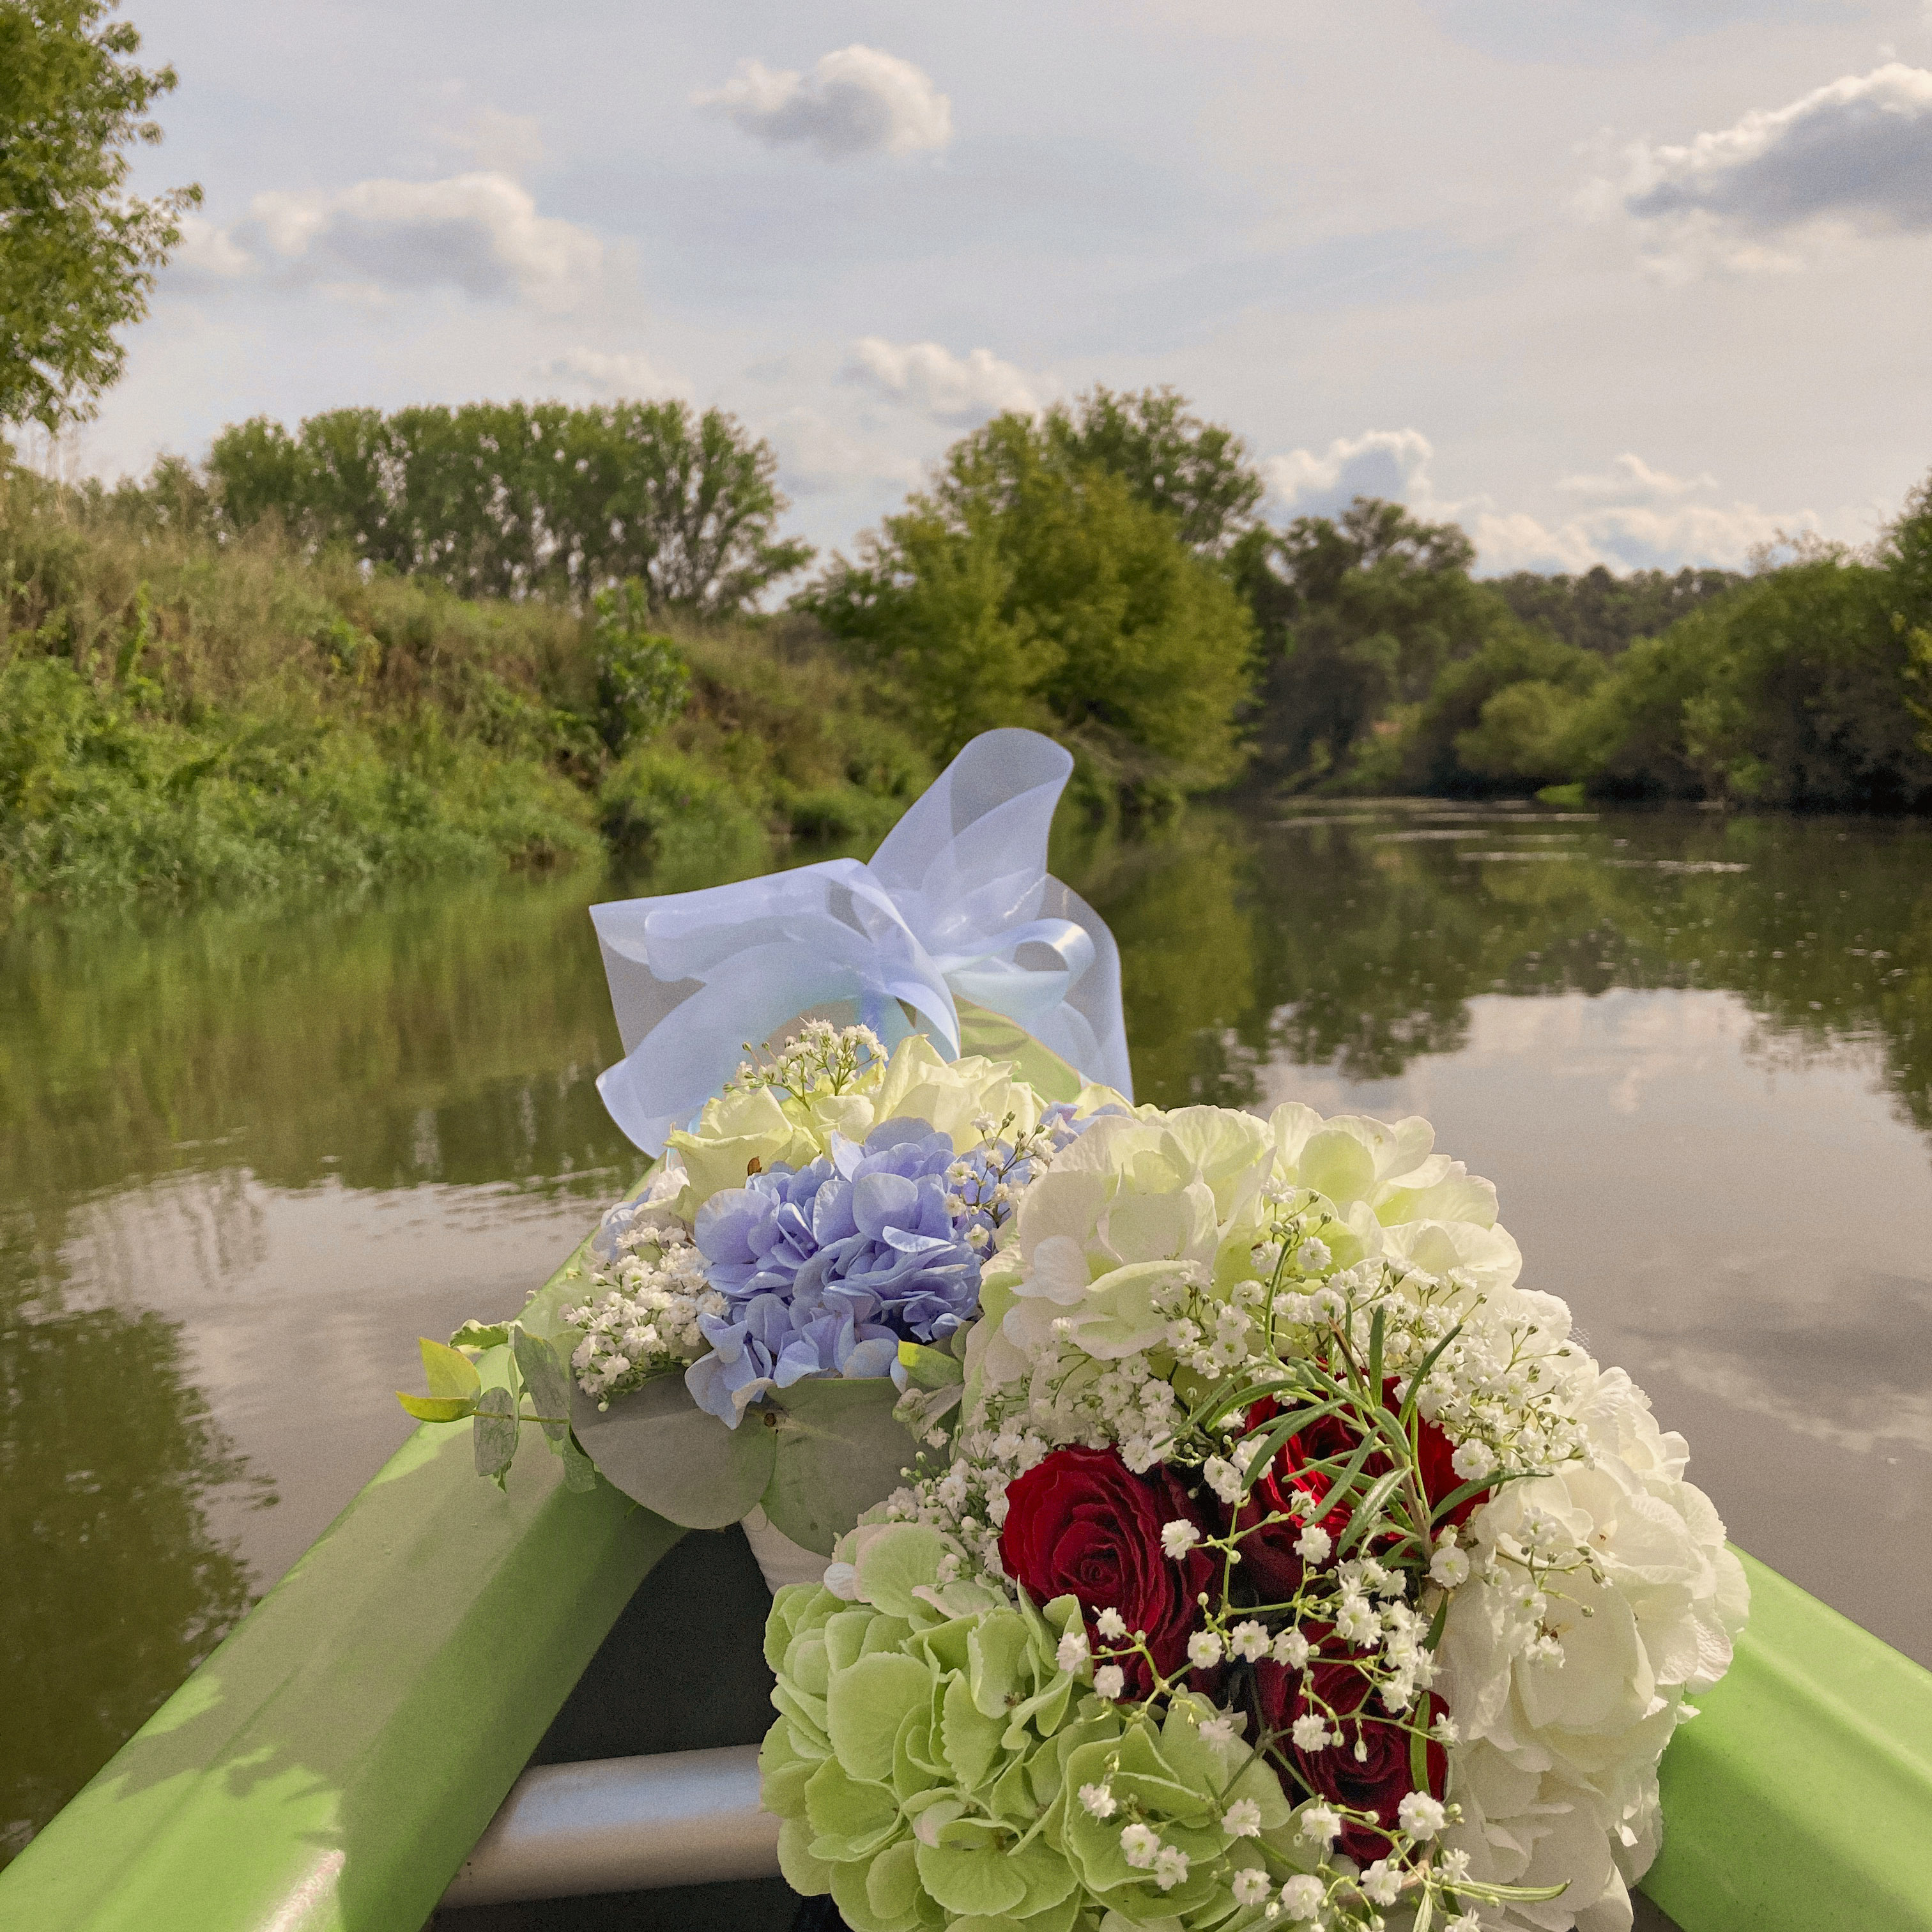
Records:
x=179, y=717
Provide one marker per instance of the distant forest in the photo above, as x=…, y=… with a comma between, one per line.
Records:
x=1600, y=612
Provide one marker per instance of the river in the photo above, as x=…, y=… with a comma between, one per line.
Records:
x=246, y=1157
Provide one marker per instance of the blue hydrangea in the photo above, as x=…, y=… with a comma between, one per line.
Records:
x=828, y=1268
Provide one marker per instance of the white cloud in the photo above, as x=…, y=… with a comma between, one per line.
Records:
x=206, y=253
x=1631, y=480
x=507, y=143
x=816, y=457
x=1631, y=515
x=952, y=388
x=480, y=233
x=614, y=373
x=1855, y=155
x=853, y=102
x=1638, y=517
x=1632, y=537
x=1390, y=463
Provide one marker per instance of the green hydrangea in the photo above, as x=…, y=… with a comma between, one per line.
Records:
x=930, y=1755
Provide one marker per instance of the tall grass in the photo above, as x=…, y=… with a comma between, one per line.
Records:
x=186, y=715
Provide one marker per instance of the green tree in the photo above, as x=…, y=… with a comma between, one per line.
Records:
x=1600, y=612
x=1195, y=473
x=518, y=499
x=78, y=254
x=1500, y=720
x=1027, y=587
x=1806, y=702
x=1357, y=613
x=1796, y=691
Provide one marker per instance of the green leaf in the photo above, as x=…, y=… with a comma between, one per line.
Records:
x=580, y=1473
x=930, y=1368
x=481, y=1335
x=437, y=1407
x=448, y=1373
x=544, y=1381
x=495, y=1433
x=1367, y=1513
x=838, y=1452
x=663, y=1450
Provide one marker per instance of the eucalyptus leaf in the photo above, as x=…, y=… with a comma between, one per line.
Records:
x=662, y=1450
x=839, y=1452
x=495, y=1428
x=580, y=1473
x=448, y=1372
x=544, y=1382
x=437, y=1407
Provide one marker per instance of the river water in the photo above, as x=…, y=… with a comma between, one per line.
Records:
x=247, y=1157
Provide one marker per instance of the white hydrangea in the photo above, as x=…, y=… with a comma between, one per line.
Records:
x=1587, y=1595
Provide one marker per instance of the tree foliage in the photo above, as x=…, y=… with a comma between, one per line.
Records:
x=78, y=254
x=1029, y=585
x=1500, y=720
x=1357, y=614
x=1600, y=612
x=1194, y=473
x=522, y=499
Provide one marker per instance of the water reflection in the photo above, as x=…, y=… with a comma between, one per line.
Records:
x=1357, y=939
x=117, y=1585
x=246, y=1159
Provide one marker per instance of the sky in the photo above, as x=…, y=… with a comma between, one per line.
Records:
x=1643, y=283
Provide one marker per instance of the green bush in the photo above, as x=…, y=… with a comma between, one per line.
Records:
x=1795, y=690
x=185, y=715
x=97, y=800
x=643, y=681
x=1500, y=719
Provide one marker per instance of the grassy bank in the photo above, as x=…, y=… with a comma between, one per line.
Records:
x=179, y=714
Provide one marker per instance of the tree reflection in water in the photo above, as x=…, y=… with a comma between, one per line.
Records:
x=117, y=1585
x=1354, y=938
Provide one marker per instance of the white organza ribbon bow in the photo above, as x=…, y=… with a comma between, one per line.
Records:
x=957, y=902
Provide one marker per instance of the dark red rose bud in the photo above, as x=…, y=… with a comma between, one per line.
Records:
x=1269, y=1562
x=1080, y=1523
x=1379, y=1779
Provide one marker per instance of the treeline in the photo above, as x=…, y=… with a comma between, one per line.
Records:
x=384, y=643
x=1801, y=686
x=1105, y=572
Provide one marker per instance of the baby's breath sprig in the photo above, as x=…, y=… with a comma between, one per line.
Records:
x=819, y=1058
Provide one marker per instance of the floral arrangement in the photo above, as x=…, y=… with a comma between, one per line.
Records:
x=826, y=1221
x=1220, y=1536
x=1285, y=1561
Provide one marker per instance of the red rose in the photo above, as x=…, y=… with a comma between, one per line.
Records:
x=1080, y=1523
x=1377, y=1783
x=1268, y=1558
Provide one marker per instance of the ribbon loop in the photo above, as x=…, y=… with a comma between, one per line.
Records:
x=956, y=903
